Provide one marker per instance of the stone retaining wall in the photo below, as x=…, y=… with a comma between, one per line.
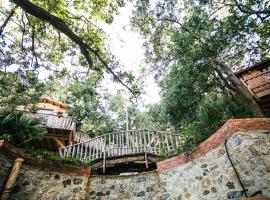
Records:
x=209, y=176
x=206, y=174
x=40, y=180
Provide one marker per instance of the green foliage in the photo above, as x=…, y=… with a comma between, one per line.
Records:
x=54, y=158
x=215, y=110
x=16, y=91
x=86, y=106
x=6, y=137
x=182, y=40
x=19, y=127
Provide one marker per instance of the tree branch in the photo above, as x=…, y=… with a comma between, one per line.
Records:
x=59, y=24
x=223, y=79
x=238, y=85
x=12, y=12
x=249, y=11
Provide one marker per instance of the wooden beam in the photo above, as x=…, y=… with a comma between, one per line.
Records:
x=70, y=138
x=56, y=136
x=12, y=179
x=59, y=143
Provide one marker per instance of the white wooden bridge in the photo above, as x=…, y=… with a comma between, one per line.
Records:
x=123, y=143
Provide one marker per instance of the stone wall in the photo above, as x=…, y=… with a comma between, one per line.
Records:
x=141, y=186
x=206, y=174
x=211, y=176
x=40, y=180
x=33, y=183
x=5, y=168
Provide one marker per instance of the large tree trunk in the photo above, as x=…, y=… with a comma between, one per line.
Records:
x=238, y=85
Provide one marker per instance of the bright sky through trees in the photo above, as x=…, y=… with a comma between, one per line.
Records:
x=127, y=46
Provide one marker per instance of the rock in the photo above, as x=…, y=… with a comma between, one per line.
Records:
x=248, y=183
x=99, y=194
x=234, y=194
x=141, y=179
x=255, y=163
x=166, y=195
x=205, y=183
x=140, y=194
x=77, y=189
x=237, y=140
x=149, y=189
x=213, y=190
x=66, y=182
x=204, y=166
x=230, y=185
x=112, y=187
x=199, y=178
x=77, y=181
x=187, y=195
x=56, y=177
x=206, y=192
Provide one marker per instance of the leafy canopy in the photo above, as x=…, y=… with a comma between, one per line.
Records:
x=188, y=43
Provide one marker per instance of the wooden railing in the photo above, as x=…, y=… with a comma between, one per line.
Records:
x=123, y=143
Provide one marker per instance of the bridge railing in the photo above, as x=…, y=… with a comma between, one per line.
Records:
x=123, y=143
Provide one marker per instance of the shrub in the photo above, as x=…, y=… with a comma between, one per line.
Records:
x=19, y=127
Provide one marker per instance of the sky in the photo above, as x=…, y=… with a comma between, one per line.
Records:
x=127, y=46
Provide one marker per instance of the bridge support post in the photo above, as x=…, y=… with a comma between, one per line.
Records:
x=146, y=160
x=104, y=156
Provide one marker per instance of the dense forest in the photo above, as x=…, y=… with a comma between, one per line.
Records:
x=192, y=47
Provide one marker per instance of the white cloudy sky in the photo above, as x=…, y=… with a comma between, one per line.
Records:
x=126, y=45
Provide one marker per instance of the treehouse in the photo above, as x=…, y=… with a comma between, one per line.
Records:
x=61, y=128
x=257, y=79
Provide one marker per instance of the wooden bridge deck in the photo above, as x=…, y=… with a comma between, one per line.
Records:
x=123, y=143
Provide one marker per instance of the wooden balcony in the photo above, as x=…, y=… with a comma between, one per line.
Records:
x=257, y=79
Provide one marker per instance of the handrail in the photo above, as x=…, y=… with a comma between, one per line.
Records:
x=101, y=136
x=123, y=143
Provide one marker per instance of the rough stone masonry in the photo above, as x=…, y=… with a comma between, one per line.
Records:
x=206, y=176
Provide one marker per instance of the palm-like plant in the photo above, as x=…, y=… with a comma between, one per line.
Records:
x=22, y=127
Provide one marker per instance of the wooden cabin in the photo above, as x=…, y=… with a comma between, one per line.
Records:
x=61, y=128
x=257, y=79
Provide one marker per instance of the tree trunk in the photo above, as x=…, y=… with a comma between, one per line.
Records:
x=238, y=85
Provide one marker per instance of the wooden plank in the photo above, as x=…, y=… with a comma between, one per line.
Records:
x=263, y=93
x=137, y=141
x=53, y=136
x=59, y=142
x=113, y=143
x=109, y=146
x=85, y=151
x=261, y=88
x=104, y=155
